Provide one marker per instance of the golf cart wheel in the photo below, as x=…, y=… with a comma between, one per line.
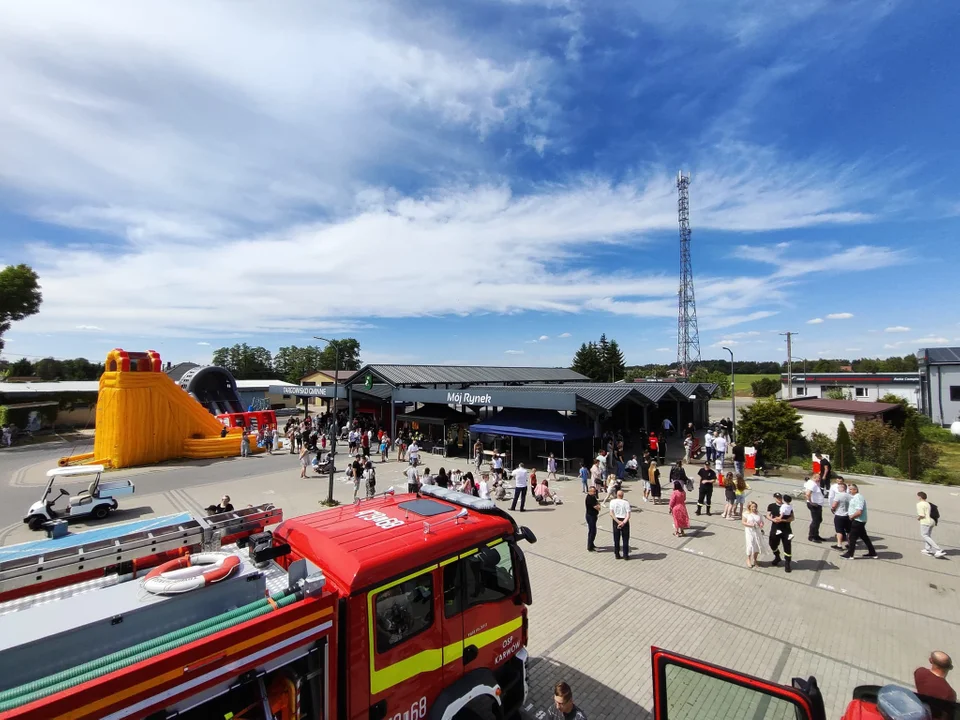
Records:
x=35, y=523
x=101, y=512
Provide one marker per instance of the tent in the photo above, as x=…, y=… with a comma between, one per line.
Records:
x=536, y=424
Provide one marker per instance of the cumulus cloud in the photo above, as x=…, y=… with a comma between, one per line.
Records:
x=897, y=329
x=88, y=327
x=662, y=350
x=513, y=352
x=815, y=321
x=839, y=316
x=564, y=335
x=203, y=343
x=543, y=337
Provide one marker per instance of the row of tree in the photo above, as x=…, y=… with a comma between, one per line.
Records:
x=896, y=363
x=289, y=363
x=51, y=369
x=601, y=361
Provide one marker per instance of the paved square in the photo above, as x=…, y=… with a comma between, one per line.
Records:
x=594, y=618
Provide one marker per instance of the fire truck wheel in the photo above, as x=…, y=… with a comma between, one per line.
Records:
x=472, y=697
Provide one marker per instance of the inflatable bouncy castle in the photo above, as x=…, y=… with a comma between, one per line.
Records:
x=144, y=417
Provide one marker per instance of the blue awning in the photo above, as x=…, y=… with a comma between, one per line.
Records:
x=537, y=424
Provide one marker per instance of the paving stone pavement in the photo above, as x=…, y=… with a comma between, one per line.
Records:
x=594, y=619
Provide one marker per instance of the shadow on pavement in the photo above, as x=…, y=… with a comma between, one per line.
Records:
x=594, y=697
x=122, y=514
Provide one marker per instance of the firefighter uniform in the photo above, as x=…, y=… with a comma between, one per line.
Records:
x=707, y=479
x=781, y=533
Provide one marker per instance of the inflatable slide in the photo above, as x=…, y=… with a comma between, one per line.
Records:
x=144, y=417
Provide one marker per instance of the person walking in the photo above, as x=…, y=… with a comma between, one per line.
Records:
x=551, y=467
x=738, y=452
x=653, y=445
x=268, y=440
x=620, y=514
x=678, y=509
x=244, y=443
x=729, y=496
x=708, y=477
x=932, y=681
x=825, y=468
x=370, y=479
x=708, y=444
x=687, y=448
x=753, y=529
x=858, y=525
x=653, y=474
x=740, y=492
x=758, y=462
x=304, y=461
x=839, y=500
x=563, y=707
x=927, y=523
x=719, y=451
x=814, y=496
x=596, y=475
x=384, y=447
x=584, y=476
x=478, y=453
x=592, y=513
x=521, y=480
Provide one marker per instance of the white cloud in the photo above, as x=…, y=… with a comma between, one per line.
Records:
x=851, y=349
x=543, y=337
x=513, y=352
x=897, y=329
x=815, y=321
x=88, y=327
x=661, y=350
x=839, y=316
x=203, y=343
x=564, y=335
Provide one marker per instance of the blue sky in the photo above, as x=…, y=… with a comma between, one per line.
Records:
x=489, y=182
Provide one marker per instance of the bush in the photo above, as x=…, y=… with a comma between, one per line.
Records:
x=844, y=457
x=773, y=421
x=838, y=394
x=20, y=416
x=940, y=476
x=765, y=387
x=821, y=443
x=875, y=442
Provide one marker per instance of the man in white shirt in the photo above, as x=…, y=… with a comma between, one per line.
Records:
x=413, y=453
x=814, y=496
x=483, y=487
x=708, y=445
x=521, y=479
x=632, y=465
x=839, y=500
x=413, y=479
x=497, y=464
x=620, y=514
x=719, y=451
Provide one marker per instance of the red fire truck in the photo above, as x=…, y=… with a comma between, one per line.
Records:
x=402, y=607
x=688, y=689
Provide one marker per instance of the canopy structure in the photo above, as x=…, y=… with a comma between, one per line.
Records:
x=536, y=424
x=435, y=414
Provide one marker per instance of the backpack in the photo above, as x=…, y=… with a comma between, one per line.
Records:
x=935, y=514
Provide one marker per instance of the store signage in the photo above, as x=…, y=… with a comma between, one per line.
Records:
x=539, y=399
x=306, y=390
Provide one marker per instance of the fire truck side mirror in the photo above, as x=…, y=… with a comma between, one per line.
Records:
x=525, y=533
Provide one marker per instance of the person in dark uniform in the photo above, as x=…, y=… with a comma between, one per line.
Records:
x=780, y=515
x=758, y=459
x=707, y=478
x=593, y=512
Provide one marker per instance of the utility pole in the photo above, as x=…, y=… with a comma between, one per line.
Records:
x=733, y=394
x=789, y=335
x=333, y=429
x=688, y=335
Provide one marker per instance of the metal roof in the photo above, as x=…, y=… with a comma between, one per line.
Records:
x=261, y=384
x=603, y=395
x=940, y=356
x=381, y=391
x=844, y=407
x=68, y=386
x=398, y=375
x=655, y=392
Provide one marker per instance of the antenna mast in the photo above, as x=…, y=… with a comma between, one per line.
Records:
x=688, y=336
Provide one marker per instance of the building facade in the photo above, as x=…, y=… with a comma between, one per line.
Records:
x=825, y=415
x=862, y=387
x=940, y=384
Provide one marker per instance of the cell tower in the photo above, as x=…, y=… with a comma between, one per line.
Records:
x=688, y=336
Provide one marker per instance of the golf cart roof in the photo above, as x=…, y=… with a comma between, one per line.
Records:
x=75, y=471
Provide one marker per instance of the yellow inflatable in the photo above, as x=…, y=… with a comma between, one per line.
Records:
x=143, y=417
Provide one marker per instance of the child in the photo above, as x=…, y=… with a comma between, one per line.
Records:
x=786, y=512
x=739, y=495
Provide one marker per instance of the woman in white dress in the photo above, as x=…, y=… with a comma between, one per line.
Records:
x=752, y=528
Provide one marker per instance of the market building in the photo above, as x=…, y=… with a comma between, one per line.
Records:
x=861, y=387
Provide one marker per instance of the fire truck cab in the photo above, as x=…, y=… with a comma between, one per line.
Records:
x=401, y=607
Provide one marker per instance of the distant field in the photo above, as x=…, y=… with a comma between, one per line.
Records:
x=742, y=387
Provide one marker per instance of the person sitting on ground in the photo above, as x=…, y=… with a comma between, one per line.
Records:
x=544, y=494
x=632, y=465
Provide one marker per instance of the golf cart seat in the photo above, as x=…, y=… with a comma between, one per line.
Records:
x=91, y=490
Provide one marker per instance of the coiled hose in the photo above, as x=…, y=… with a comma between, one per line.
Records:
x=66, y=679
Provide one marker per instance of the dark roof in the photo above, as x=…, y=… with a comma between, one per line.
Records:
x=435, y=412
x=603, y=395
x=940, y=356
x=655, y=392
x=398, y=375
x=179, y=370
x=343, y=376
x=849, y=407
x=381, y=391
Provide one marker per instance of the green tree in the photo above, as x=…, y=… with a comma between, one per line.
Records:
x=776, y=422
x=821, y=443
x=21, y=368
x=837, y=394
x=915, y=454
x=588, y=361
x=349, y=349
x=245, y=362
x=844, y=457
x=81, y=369
x=765, y=387
x=20, y=296
x=613, y=362
x=875, y=442
x=717, y=377
x=48, y=369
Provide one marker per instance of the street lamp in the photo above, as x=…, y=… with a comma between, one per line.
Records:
x=733, y=395
x=332, y=427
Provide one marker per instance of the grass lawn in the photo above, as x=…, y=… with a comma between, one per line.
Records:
x=950, y=459
x=742, y=387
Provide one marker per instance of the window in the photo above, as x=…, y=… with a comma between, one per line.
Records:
x=862, y=392
x=691, y=695
x=452, y=583
x=798, y=391
x=955, y=393
x=489, y=574
x=403, y=611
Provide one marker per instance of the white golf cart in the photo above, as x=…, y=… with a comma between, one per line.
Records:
x=97, y=500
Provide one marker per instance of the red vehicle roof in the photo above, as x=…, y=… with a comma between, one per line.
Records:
x=356, y=553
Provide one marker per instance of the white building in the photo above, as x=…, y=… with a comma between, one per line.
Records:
x=862, y=387
x=940, y=384
x=825, y=415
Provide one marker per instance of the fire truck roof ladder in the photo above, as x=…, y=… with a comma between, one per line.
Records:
x=203, y=533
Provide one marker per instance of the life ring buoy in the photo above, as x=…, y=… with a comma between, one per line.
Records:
x=190, y=572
